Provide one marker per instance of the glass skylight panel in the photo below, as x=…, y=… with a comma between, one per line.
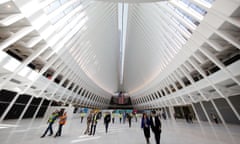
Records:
x=63, y=1
x=174, y=20
x=177, y=34
x=180, y=37
x=57, y=4
x=170, y=6
x=57, y=18
x=208, y=1
x=179, y=12
x=185, y=2
x=66, y=11
x=188, y=18
x=189, y=31
x=198, y=9
x=191, y=20
x=53, y=6
x=184, y=28
x=183, y=15
x=193, y=6
x=80, y=14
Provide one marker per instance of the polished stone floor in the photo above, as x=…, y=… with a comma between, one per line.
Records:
x=174, y=132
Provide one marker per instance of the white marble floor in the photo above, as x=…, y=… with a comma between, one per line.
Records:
x=174, y=132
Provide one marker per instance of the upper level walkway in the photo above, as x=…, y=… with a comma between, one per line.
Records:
x=173, y=132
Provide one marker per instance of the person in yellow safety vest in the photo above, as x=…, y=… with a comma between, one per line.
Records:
x=82, y=114
x=50, y=122
x=62, y=121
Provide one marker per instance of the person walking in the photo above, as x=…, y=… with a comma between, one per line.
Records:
x=129, y=117
x=187, y=117
x=93, y=123
x=164, y=115
x=190, y=118
x=155, y=126
x=113, y=117
x=214, y=117
x=145, y=125
x=62, y=121
x=124, y=117
x=107, y=120
x=51, y=121
x=120, y=117
x=89, y=120
x=82, y=114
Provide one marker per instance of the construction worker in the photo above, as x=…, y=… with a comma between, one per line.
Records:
x=62, y=121
x=82, y=114
x=51, y=121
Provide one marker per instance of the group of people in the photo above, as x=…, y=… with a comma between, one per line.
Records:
x=108, y=117
x=92, y=120
x=154, y=123
x=93, y=117
x=148, y=123
x=122, y=117
x=62, y=116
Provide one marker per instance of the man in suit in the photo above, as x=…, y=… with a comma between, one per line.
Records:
x=156, y=126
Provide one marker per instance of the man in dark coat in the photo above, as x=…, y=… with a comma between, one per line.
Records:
x=107, y=120
x=156, y=126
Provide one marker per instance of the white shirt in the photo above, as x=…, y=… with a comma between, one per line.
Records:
x=154, y=123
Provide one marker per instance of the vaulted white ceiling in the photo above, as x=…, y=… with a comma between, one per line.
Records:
x=147, y=48
x=155, y=32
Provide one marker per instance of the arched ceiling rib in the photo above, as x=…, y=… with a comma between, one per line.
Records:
x=98, y=50
x=94, y=45
x=156, y=31
x=154, y=38
x=168, y=46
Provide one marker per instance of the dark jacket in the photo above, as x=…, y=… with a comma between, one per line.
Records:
x=107, y=118
x=143, y=123
x=157, y=127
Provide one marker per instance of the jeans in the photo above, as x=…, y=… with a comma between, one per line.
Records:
x=49, y=128
x=93, y=129
x=59, y=132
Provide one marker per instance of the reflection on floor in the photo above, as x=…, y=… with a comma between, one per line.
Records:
x=174, y=132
